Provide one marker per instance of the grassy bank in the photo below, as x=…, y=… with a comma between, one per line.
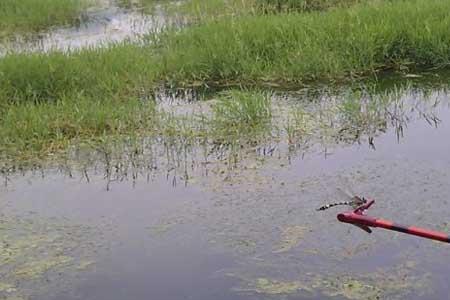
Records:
x=18, y=16
x=39, y=129
x=46, y=128
x=338, y=44
x=56, y=97
x=119, y=71
x=203, y=10
x=289, y=48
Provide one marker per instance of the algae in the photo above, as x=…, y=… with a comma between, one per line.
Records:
x=290, y=238
x=391, y=283
x=33, y=249
x=275, y=287
x=35, y=269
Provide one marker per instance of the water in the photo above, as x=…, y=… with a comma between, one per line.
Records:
x=104, y=26
x=247, y=232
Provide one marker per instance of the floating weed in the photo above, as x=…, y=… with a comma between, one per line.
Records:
x=274, y=287
x=163, y=228
x=36, y=269
x=32, y=249
x=393, y=283
x=85, y=265
x=350, y=288
x=291, y=236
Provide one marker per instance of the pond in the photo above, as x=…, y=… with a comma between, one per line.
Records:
x=174, y=222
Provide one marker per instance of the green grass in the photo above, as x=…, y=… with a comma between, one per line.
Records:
x=274, y=6
x=338, y=44
x=203, y=10
x=289, y=48
x=122, y=70
x=40, y=129
x=18, y=16
x=57, y=98
x=239, y=111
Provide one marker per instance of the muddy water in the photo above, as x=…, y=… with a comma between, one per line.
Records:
x=101, y=26
x=249, y=234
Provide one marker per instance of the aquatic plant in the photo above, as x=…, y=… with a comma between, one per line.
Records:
x=242, y=110
x=48, y=127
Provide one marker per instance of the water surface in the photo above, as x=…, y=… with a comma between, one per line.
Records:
x=247, y=232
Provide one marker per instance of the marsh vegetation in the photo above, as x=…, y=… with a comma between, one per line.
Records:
x=236, y=97
x=89, y=89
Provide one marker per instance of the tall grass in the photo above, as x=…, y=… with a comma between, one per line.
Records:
x=301, y=5
x=34, y=15
x=124, y=70
x=299, y=47
x=288, y=48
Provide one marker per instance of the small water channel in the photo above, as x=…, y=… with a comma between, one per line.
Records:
x=100, y=26
x=247, y=232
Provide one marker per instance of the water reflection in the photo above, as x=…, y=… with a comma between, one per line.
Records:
x=303, y=127
x=100, y=27
x=242, y=217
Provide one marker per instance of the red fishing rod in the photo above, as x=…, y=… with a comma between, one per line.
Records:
x=358, y=218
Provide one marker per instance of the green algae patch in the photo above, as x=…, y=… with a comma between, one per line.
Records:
x=38, y=255
x=275, y=287
x=290, y=238
x=84, y=265
x=161, y=229
x=38, y=268
x=350, y=288
x=390, y=283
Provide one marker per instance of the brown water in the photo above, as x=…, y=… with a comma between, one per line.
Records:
x=247, y=233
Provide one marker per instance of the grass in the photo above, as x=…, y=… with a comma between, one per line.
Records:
x=47, y=101
x=40, y=129
x=339, y=44
x=201, y=10
x=276, y=6
x=242, y=111
x=44, y=128
x=290, y=48
x=18, y=16
x=121, y=70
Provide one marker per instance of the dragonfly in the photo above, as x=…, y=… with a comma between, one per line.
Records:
x=352, y=201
